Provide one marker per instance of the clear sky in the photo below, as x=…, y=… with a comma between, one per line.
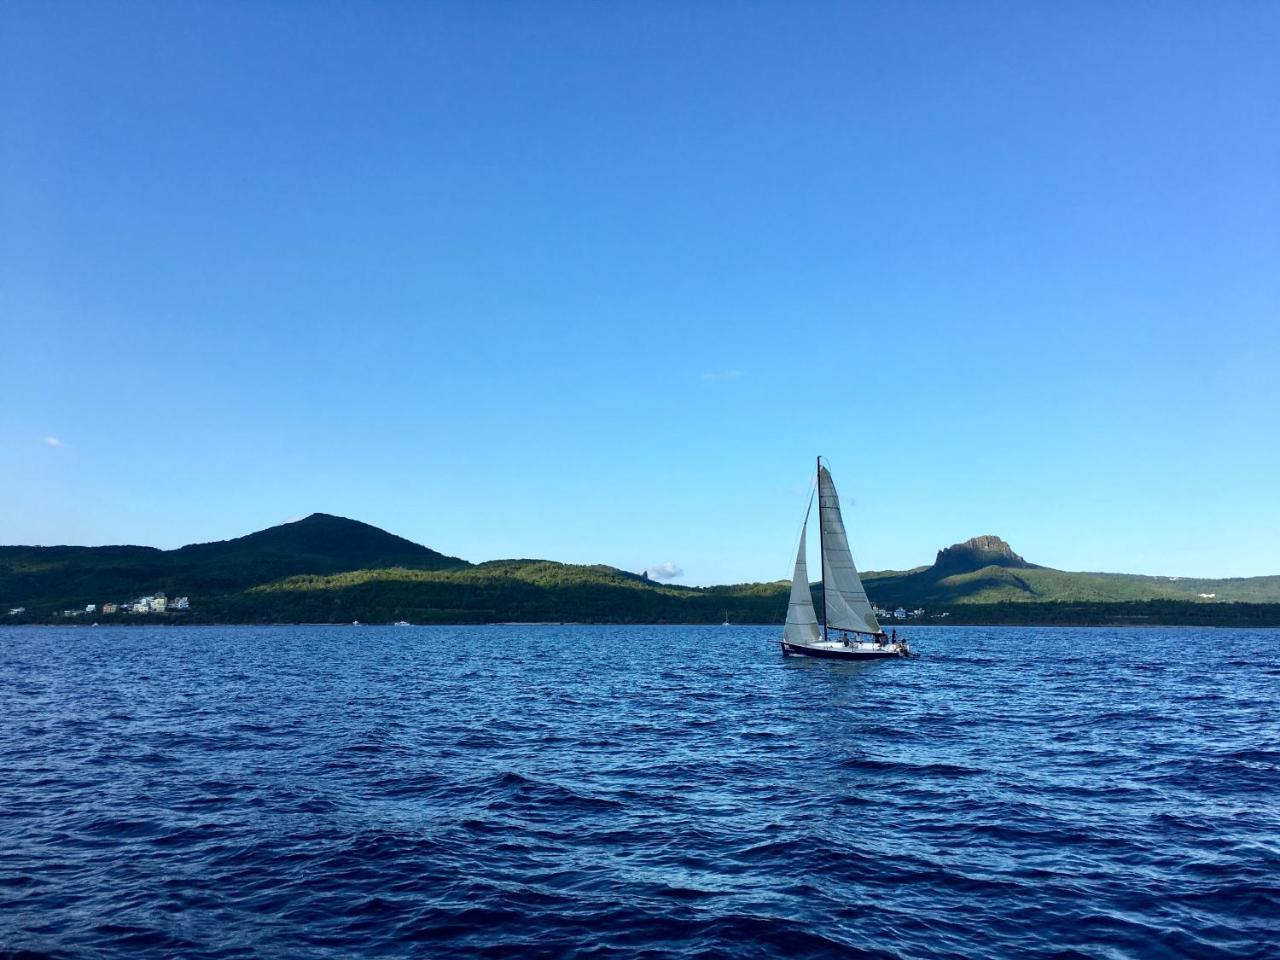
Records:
x=595, y=282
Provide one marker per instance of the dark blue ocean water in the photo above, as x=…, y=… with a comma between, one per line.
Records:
x=637, y=792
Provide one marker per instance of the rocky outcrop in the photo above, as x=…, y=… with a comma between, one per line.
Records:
x=984, y=551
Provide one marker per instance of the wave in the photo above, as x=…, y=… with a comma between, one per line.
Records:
x=307, y=792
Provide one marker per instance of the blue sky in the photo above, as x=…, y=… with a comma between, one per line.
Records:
x=595, y=282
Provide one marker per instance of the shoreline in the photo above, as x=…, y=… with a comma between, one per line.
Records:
x=583, y=623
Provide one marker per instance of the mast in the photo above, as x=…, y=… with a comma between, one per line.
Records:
x=822, y=553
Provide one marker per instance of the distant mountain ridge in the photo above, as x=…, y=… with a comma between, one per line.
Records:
x=325, y=568
x=318, y=544
x=986, y=570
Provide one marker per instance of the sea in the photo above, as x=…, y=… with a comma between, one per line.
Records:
x=637, y=792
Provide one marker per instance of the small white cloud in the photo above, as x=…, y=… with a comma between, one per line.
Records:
x=716, y=376
x=291, y=519
x=52, y=442
x=664, y=571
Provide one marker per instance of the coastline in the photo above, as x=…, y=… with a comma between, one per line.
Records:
x=1257, y=616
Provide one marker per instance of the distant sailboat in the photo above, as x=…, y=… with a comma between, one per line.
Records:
x=849, y=628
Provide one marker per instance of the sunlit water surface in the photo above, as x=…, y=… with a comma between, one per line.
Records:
x=637, y=792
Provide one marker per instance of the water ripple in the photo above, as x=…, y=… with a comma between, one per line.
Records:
x=636, y=793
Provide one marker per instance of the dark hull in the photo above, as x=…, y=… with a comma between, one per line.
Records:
x=825, y=654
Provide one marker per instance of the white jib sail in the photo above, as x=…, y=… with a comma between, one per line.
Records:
x=847, y=606
x=802, y=622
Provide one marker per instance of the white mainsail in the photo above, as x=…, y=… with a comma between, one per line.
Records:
x=802, y=622
x=846, y=603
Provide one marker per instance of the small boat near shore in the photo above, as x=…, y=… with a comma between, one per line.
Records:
x=849, y=629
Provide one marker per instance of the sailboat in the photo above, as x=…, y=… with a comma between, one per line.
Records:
x=849, y=629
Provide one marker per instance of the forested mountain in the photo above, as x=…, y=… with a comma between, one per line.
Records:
x=332, y=570
x=38, y=577
x=985, y=570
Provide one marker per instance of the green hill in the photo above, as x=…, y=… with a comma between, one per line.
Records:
x=40, y=577
x=330, y=569
x=985, y=570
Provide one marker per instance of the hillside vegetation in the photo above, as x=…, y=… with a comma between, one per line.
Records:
x=317, y=544
x=1041, y=584
x=327, y=569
